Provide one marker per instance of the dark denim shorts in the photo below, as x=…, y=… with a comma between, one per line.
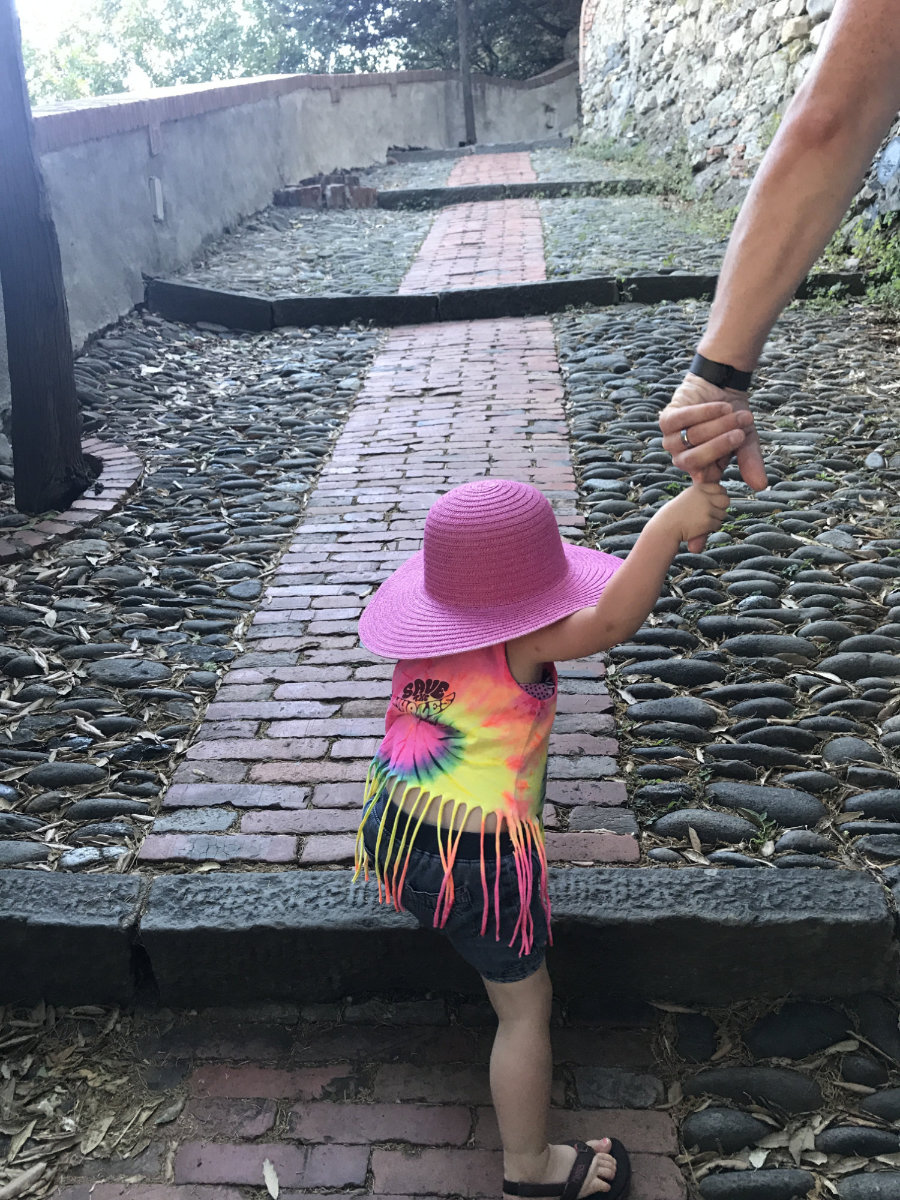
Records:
x=491, y=956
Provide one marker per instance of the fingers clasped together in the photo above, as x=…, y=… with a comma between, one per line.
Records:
x=703, y=426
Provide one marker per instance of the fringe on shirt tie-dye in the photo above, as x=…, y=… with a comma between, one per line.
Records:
x=491, y=757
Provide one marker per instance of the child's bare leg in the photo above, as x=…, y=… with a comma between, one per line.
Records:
x=521, y=1073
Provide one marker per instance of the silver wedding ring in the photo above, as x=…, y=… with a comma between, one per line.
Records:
x=686, y=441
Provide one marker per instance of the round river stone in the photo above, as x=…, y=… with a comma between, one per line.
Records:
x=128, y=672
x=870, y=1185
x=797, y=1030
x=683, y=709
x=64, y=774
x=881, y=802
x=722, y=1129
x=857, y=1140
x=884, y=1104
x=849, y=749
x=709, y=826
x=786, y=806
x=774, y=1184
x=775, y=1087
x=860, y=1067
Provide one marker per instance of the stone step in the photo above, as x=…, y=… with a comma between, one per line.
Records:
x=177, y=301
x=690, y=937
x=426, y=155
x=467, y=193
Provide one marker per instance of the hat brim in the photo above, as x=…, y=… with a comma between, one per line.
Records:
x=403, y=621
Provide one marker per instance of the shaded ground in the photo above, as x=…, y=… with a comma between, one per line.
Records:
x=293, y=251
x=389, y=1096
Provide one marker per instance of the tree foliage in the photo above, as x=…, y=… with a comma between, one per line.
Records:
x=167, y=42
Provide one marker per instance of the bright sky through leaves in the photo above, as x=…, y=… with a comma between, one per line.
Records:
x=43, y=20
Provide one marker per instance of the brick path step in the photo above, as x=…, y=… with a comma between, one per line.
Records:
x=480, y=245
x=381, y=1098
x=492, y=168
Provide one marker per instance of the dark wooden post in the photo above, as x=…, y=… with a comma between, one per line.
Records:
x=465, y=71
x=49, y=468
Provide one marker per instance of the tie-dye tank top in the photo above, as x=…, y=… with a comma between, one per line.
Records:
x=464, y=732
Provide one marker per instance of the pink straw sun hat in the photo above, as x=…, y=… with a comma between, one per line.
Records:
x=492, y=567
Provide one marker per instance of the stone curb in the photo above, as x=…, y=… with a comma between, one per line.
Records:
x=191, y=303
x=69, y=937
x=696, y=938
x=443, y=197
x=187, y=302
x=402, y=156
x=122, y=470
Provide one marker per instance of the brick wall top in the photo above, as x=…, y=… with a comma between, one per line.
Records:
x=69, y=123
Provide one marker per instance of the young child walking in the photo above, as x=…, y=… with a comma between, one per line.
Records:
x=452, y=821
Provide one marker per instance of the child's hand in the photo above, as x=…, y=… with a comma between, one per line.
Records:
x=698, y=510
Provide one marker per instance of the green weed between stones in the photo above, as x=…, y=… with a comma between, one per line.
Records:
x=878, y=249
x=766, y=827
x=874, y=249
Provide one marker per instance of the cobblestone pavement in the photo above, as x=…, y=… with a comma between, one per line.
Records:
x=281, y=252
x=792, y=610
x=759, y=702
x=292, y=251
x=393, y=175
x=619, y=235
x=579, y=163
x=112, y=643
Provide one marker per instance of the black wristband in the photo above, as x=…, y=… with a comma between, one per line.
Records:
x=721, y=374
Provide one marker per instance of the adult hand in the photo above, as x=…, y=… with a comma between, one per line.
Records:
x=717, y=423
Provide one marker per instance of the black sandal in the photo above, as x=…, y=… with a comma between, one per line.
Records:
x=584, y=1156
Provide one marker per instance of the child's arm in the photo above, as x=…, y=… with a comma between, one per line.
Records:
x=634, y=589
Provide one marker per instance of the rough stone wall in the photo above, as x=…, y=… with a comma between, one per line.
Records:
x=711, y=77
x=708, y=76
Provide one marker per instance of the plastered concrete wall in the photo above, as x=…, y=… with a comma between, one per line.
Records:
x=101, y=207
x=218, y=152
x=355, y=127
x=546, y=106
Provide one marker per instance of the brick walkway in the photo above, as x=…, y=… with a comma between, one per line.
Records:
x=275, y=775
x=374, y=1099
x=480, y=245
x=492, y=168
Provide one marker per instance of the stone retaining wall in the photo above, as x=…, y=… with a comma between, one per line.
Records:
x=137, y=184
x=711, y=76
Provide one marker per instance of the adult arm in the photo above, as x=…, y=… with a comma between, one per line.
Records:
x=802, y=189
